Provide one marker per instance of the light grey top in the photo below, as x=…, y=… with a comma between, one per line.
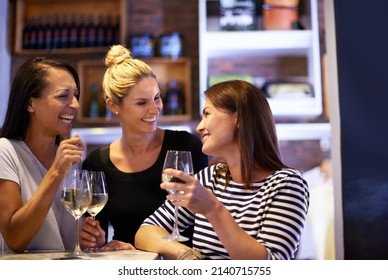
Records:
x=20, y=165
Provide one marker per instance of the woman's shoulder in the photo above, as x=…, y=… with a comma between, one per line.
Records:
x=8, y=145
x=288, y=171
x=10, y=151
x=5, y=142
x=288, y=176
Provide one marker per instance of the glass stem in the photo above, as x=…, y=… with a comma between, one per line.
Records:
x=77, y=249
x=176, y=231
x=94, y=218
x=2, y=246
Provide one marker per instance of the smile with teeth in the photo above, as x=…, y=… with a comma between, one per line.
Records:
x=67, y=118
x=150, y=119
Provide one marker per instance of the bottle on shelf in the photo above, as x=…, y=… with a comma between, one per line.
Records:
x=100, y=32
x=108, y=113
x=73, y=32
x=109, y=31
x=27, y=34
x=48, y=33
x=40, y=34
x=174, y=99
x=56, y=37
x=33, y=34
x=94, y=105
x=83, y=33
x=170, y=45
x=64, y=39
x=92, y=32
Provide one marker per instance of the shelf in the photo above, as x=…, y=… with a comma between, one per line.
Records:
x=27, y=9
x=257, y=53
x=257, y=43
x=165, y=69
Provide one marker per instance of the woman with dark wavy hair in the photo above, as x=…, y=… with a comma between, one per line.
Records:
x=250, y=205
x=42, y=104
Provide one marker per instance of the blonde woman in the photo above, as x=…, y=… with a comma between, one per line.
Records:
x=133, y=163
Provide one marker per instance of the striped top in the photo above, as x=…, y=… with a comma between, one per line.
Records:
x=273, y=212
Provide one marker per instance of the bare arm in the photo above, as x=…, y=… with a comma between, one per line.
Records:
x=149, y=238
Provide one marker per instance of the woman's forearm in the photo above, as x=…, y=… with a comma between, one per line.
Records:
x=150, y=238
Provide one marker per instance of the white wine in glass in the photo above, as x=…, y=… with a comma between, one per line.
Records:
x=76, y=197
x=180, y=160
x=99, y=199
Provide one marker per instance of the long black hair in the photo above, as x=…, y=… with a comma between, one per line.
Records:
x=29, y=82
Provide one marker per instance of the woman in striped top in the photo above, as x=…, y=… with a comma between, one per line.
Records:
x=249, y=205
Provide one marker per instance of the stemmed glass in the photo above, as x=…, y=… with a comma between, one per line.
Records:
x=99, y=199
x=180, y=160
x=76, y=197
x=1, y=246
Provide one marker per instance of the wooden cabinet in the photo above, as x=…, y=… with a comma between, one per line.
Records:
x=89, y=59
x=26, y=10
x=166, y=69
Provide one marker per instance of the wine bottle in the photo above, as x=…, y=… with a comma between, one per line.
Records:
x=174, y=99
x=92, y=32
x=73, y=32
x=64, y=38
x=48, y=34
x=33, y=34
x=40, y=34
x=83, y=33
x=94, y=105
x=108, y=31
x=27, y=34
x=108, y=113
x=100, y=32
x=56, y=33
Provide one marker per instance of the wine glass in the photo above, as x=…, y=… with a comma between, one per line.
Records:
x=1, y=246
x=99, y=199
x=76, y=197
x=180, y=160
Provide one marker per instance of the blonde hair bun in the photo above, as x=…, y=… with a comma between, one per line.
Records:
x=116, y=55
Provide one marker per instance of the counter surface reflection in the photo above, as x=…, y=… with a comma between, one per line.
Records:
x=56, y=255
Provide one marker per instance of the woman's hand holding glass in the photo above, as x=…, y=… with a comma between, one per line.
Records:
x=91, y=234
x=190, y=194
x=76, y=197
x=99, y=199
x=178, y=160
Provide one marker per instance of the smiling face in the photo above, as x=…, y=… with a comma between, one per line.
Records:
x=216, y=129
x=53, y=112
x=140, y=109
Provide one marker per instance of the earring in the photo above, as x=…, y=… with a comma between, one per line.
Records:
x=116, y=113
x=29, y=109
